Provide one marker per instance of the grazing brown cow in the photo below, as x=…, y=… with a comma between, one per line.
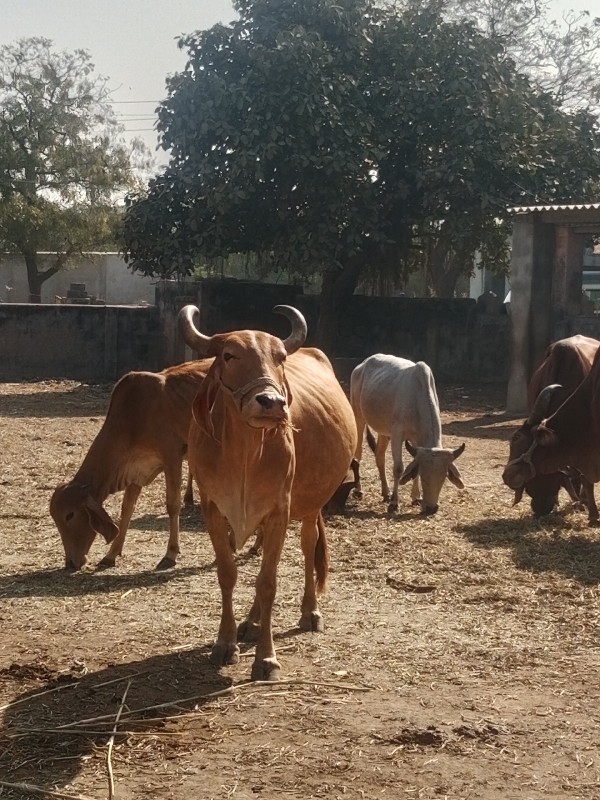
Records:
x=272, y=438
x=570, y=436
x=145, y=433
x=566, y=363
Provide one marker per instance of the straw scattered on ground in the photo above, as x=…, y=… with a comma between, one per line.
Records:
x=460, y=657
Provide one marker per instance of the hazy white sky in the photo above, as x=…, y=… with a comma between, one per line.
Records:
x=133, y=42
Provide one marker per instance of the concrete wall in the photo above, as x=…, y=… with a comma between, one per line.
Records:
x=105, y=276
x=85, y=343
x=457, y=341
x=100, y=343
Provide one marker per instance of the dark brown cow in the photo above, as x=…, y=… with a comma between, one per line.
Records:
x=272, y=438
x=145, y=433
x=570, y=436
x=566, y=363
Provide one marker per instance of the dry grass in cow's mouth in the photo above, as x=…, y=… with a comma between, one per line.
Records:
x=459, y=657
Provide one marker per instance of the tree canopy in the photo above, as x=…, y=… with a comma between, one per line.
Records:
x=62, y=157
x=337, y=135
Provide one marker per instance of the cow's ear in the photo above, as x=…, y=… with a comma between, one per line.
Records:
x=410, y=473
x=545, y=436
x=518, y=496
x=99, y=519
x=567, y=485
x=454, y=476
x=203, y=404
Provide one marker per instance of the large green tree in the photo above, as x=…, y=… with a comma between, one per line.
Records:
x=336, y=136
x=62, y=157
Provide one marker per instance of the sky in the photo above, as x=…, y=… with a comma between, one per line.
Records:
x=133, y=43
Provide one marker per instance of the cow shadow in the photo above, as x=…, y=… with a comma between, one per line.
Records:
x=79, y=401
x=61, y=583
x=480, y=427
x=190, y=521
x=37, y=750
x=536, y=549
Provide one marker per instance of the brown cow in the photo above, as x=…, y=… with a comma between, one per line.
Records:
x=570, y=436
x=566, y=363
x=272, y=438
x=145, y=433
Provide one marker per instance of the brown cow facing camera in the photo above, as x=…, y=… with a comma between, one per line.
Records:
x=272, y=438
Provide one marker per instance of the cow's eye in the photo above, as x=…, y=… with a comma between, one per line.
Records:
x=228, y=356
x=70, y=516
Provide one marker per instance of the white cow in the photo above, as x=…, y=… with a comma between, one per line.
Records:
x=397, y=398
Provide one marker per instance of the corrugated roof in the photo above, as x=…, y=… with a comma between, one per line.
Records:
x=558, y=207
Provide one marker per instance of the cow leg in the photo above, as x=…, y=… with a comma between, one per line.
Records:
x=265, y=666
x=173, y=493
x=316, y=560
x=188, y=497
x=225, y=650
x=398, y=468
x=380, y=449
x=130, y=496
x=587, y=490
x=360, y=431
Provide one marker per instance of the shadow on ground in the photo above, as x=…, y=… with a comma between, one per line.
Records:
x=541, y=546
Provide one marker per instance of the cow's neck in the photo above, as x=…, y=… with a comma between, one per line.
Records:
x=255, y=472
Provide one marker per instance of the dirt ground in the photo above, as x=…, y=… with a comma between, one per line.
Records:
x=460, y=658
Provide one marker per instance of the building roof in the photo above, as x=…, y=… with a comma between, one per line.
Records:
x=557, y=207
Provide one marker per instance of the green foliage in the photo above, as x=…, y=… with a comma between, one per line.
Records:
x=61, y=155
x=336, y=136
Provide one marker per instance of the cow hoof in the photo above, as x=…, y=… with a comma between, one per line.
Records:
x=392, y=508
x=248, y=631
x=255, y=550
x=224, y=655
x=312, y=621
x=358, y=494
x=106, y=563
x=165, y=563
x=416, y=502
x=594, y=523
x=266, y=669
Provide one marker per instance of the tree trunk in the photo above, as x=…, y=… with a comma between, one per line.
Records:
x=444, y=269
x=34, y=279
x=337, y=289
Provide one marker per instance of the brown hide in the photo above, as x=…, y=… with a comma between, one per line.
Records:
x=272, y=438
x=570, y=436
x=566, y=363
x=145, y=433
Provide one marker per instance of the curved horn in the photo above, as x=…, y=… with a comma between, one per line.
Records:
x=191, y=335
x=458, y=452
x=545, y=403
x=410, y=448
x=299, y=328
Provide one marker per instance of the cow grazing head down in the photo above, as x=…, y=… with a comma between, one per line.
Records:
x=79, y=518
x=520, y=474
x=433, y=465
x=248, y=368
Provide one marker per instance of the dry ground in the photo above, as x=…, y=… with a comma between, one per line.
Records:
x=460, y=658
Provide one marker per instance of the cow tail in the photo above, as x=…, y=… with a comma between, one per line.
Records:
x=321, y=556
x=371, y=439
